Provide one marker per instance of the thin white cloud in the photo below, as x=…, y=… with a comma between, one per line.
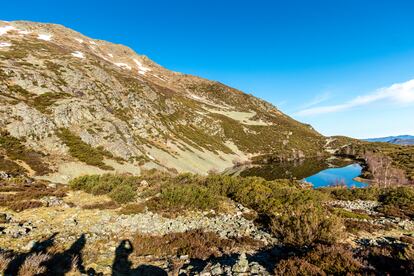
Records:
x=317, y=100
x=399, y=93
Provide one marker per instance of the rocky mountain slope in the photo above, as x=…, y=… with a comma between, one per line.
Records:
x=70, y=104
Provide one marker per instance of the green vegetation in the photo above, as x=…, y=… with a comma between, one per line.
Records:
x=398, y=202
x=188, y=196
x=402, y=157
x=395, y=201
x=44, y=101
x=15, y=150
x=82, y=151
x=344, y=193
x=121, y=189
x=306, y=225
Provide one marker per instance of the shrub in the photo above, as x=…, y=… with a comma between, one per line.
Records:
x=194, y=243
x=297, y=266
x=304, y=225
x=83, y=151
x=188, y=196
x=322, y=260
x=344, y=193
x=123, y=194
x=334, y=260
x=24, y=205
x=350, y=215
x=120, y=188
x=398, y=202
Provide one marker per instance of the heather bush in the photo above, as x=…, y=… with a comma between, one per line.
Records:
x=297, y=267
x=306, y=225
x=322, y=260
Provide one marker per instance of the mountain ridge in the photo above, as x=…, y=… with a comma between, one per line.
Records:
x=398, y=140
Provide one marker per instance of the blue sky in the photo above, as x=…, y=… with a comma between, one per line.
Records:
x=343, y=66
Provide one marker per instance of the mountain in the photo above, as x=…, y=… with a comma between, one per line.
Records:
x=398, y=140
x=67, y=98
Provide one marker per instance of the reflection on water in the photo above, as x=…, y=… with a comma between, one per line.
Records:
x=319, y=172
x=344, y=175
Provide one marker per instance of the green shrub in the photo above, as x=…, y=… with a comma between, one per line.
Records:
x=344, y=193
x=83, y=151
x=306, y=225
x=189, y=196
x=123, y=194
x=350, y=215
x=398, y=202
x=120, y=188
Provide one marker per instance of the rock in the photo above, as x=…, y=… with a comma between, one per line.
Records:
x=30, y=245
x=52, y=201
x=4, y=175
x=242, y=264
x=217, y=269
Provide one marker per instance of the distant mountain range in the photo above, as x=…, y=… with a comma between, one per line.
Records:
x=398, y=140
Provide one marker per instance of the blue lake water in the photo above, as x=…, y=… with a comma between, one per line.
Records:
x=333, y=176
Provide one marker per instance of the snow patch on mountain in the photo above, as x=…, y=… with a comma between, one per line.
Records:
x=78, y=54
x=46, y=37
x=4, y=30
x=141, y=68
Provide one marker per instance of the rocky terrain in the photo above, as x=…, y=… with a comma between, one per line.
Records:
x=83, y=105
x=71, y=232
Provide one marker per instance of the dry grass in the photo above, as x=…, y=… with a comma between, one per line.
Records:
x=195, y=243
x=4, y=262
x=33, y=265
x=133, y=208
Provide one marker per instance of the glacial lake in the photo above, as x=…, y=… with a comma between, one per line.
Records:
x=318, y=172
x=344, y=175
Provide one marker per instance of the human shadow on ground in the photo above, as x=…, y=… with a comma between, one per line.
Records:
x=123, y=266
x=61, y=263
x=19, y=258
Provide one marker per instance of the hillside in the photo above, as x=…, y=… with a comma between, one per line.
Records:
x=70, y=104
